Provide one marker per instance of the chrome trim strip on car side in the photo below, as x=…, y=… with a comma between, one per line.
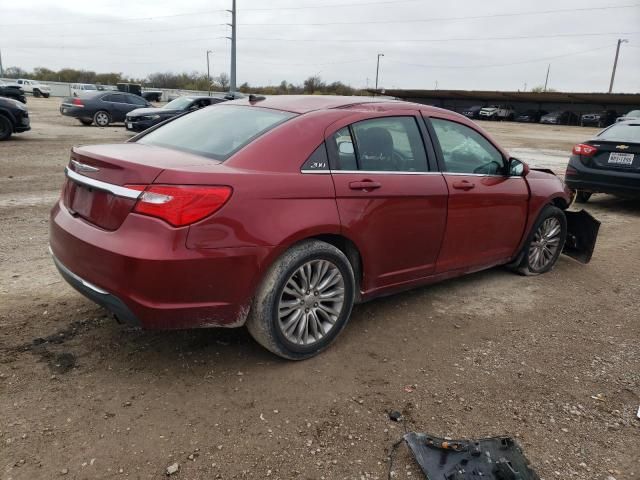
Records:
x=371, y=172
x=76, y=277
x=384, y=172
x=116, y=190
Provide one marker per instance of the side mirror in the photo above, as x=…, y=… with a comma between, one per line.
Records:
x=518, y=168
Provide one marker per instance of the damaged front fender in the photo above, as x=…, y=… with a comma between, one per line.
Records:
x=582, y=232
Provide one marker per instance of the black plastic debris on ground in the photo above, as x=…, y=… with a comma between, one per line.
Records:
x=498, y=458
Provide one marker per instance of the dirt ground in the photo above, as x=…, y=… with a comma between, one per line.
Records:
x=552, y=360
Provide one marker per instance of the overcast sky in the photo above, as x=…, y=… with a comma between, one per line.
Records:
x=424, y=42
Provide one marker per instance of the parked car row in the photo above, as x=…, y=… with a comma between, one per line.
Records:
x=558, y=117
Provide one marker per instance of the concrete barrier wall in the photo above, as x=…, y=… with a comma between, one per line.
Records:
x=63, y=89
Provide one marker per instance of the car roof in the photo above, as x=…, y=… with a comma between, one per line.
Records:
x=309, y=103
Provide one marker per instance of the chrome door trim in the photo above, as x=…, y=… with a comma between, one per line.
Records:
x=116, y=190
x=368, y=172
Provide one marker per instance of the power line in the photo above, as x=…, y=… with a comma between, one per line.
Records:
x=442, y=19
x=436, y=40
x=480, y=66
x=121, y=20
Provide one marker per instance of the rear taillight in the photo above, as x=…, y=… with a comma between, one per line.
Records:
x=180, y=205
x=77, y=102
x=584, y=150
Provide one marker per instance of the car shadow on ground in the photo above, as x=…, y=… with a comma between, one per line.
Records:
x=610, y=202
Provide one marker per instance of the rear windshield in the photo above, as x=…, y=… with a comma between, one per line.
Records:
x=216, y=132
x=622, y=132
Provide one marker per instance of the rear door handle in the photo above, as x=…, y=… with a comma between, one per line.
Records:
x=463, y=185
x=365, y=185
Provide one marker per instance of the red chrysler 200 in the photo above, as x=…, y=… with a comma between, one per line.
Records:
x=281, y=213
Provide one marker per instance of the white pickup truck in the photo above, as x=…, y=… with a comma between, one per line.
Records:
x=34, y=87
x=497, y=112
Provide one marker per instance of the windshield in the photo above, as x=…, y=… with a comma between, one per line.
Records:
x=621, y=132
x=179, y=103
x=90, y=87
x=216, y=132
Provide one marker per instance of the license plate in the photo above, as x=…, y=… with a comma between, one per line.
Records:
x=129, y=125
x=617, y=158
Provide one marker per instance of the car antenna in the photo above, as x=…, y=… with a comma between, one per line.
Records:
x=255, y=98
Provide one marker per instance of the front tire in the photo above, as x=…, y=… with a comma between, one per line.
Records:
x=6, y=129
x=304, y=301
x=46, y=95
x=36, y=93
x=102, y=118
x=545, y=243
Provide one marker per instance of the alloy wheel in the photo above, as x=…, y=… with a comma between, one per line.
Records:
x=311, y=302
x=545, y=244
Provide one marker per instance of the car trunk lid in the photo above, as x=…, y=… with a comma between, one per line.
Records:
x=616, y=155
x=98, y=177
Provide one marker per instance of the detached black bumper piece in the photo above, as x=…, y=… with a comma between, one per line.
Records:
x=582, y=233
x=112, y=303
x=498, y=458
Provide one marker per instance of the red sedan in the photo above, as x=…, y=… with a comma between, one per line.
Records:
x=282, y=213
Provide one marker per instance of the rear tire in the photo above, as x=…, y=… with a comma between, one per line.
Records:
x=102, y=118
x=304, y=301
x=6, y=128
x=46, y=95
x=545, y=243
x=582, y=196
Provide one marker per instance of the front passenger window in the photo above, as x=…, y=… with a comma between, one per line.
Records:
x=465, y=150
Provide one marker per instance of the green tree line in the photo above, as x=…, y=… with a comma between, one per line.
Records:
x=185, y=81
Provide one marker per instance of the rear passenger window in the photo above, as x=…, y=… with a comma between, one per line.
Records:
x=388, y=144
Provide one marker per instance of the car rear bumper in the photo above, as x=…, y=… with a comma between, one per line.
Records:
x=617, y=182
x=75, y=112
x=97, y=295
x=144, y=273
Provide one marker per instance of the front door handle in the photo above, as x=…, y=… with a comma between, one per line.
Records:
x=463, y=185
x=365, y=185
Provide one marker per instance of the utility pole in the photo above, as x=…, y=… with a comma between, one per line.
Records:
x=232, y=83
x=378, y=70
x=209, y=72
x=615, y=62
x=1, y=70
x=546, y=80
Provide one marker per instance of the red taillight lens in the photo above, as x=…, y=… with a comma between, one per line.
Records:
x=77, y=101
x=180, y=205
x=584, y=149
x=570, y=171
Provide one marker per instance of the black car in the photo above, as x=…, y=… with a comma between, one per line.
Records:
x=560, y=117
x=102, y=108
x=530, y=116
x=608, y=163
x=600, y=119
x=14, y=118
x=143, y=118
x=12, y=91
x=472, y=112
